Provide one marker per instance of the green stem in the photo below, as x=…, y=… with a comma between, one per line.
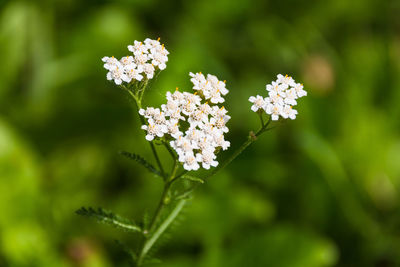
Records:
x=148, y=244
x=154, y=233
x=138, y=102
x=250, y=139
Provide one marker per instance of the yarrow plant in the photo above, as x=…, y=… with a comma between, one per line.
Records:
x=191, y=126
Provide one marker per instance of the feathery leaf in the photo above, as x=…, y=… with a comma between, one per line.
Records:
x=106, y=217
x=142, y=161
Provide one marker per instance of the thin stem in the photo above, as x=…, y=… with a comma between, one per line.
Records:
x=159, y=231
x=250, y=139
x=261, y=117
x=160, y=206
x=138, y=102
x=154, y=233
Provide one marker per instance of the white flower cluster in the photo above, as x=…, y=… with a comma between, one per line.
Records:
x=148, y=56
x=194, y=127
x=282, y=95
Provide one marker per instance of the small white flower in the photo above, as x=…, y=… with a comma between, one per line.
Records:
x=148, y=112
x=117, y=74
x=137, y=48
x=109, y=62
x=176, y=96
x=154, y=130
x=189, y=161
x=282, y=95
x=288, y=112
x=258, y=103
x=141, y=59
x=207, y=159
x=149, y=70
x=173, y=128
x=128, y=60
x=192, y=98
x=133, y=72
x=291, y=97
x=221, y=142
x=299, y=90
x=285, y=80
x=274, y=110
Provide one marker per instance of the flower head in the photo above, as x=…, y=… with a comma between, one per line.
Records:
x=197, y=140
x=282, y=96
x=148, y=57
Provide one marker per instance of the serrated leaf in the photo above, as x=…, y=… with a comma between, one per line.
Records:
x=107, y=217
x=193, y=178
x=142, y=161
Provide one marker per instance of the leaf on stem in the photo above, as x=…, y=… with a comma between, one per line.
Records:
x=142, y=161
x=193, y=178
x=107, y=217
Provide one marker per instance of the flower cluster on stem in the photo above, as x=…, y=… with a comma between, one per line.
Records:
x=192, y=123
x=282, y=96
x=146, y=58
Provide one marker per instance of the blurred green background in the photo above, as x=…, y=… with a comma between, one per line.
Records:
x=322, y=190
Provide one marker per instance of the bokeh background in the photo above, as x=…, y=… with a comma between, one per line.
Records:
x=322, y=190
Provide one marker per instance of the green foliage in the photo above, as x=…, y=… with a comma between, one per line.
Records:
x=193, y=178
x=142, y=161
x=107, y=217
x=322, y=190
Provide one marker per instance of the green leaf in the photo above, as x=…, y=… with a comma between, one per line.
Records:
x=107, y=217
x=142, y=161
x=193, y=178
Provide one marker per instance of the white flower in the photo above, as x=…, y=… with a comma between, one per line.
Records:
x=154, y=130
x=288, y=112
x=146, y=58
x=117, y=74
x=202, y=134
x=141, y=59
x=192, y=98
x=137, y=48
x=150, y=44
x=197, y=79
x=282, y=96
x=220, y=122
x=221, y=142
x=291, y=97
x=189, y=161
x=173, y=128
x=149, y=70
x=207, y=159
x=109, y=62
x=285, y=80
x=258, y=103
x=148, y=112
x=176, y=96
x=125, y=61
x=197, y=117
x=274, y=110
x=299, y=90
x=158, y=60
x=133, y=72
x=183, y=145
